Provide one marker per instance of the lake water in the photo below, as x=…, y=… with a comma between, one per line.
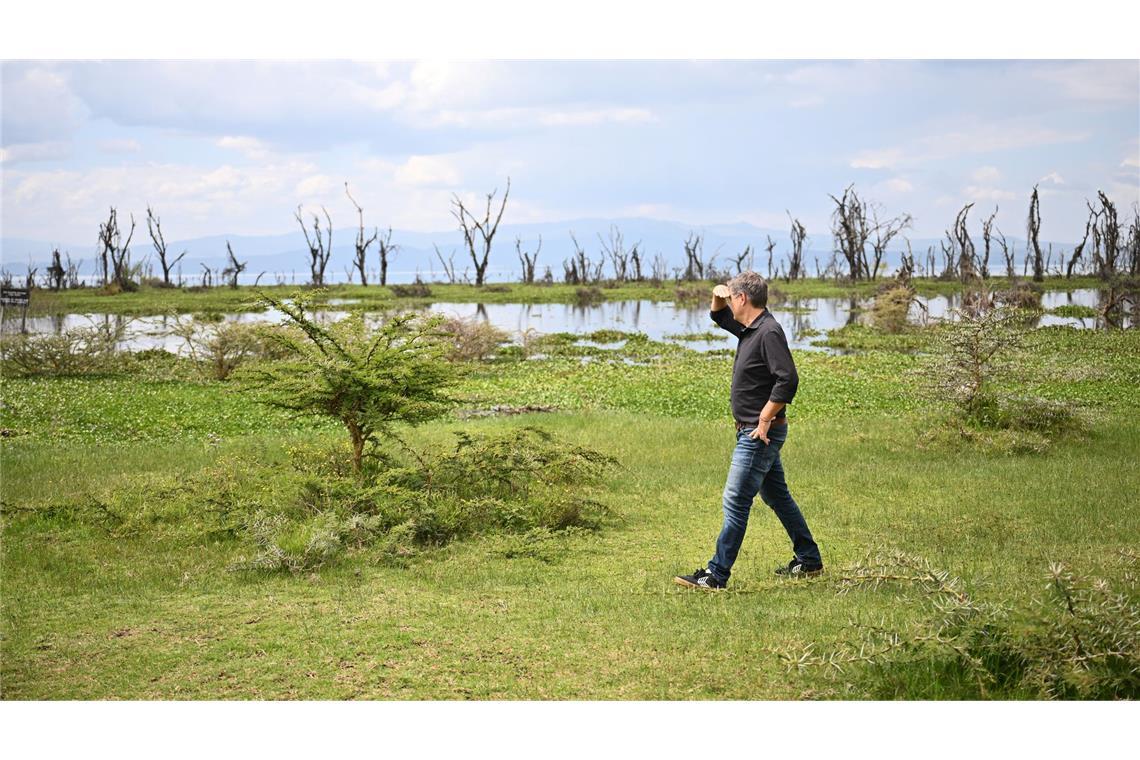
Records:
x=802, y=319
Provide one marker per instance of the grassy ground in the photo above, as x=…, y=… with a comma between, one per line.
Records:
x=91, y=614
x=149, y=300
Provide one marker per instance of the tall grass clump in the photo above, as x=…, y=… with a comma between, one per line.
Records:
x=1078, y=640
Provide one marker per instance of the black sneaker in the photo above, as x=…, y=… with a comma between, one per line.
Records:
x=799, y=569
x=700, y=578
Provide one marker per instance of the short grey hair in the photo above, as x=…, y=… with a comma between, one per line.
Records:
x=752, y=285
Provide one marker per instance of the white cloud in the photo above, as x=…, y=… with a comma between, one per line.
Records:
x=986, y=174
x=51, y=150
x=986, y=138
x=1109, y=81
x=120, y=146
x=976, y=193
x=1054, y=178
x=427, y=171
x=591, y=117
x=251, y=147
x=877, y=159
x=315, y=186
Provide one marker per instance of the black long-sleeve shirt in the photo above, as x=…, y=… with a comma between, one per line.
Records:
x=763, y=369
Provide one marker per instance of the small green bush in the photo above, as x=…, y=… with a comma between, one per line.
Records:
x=78, y=351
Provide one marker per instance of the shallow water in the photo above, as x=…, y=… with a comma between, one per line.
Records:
x=803, y=319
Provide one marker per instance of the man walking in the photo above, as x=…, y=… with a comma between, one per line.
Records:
x=764, y=380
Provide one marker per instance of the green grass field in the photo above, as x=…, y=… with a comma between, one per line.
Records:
x=92, y=613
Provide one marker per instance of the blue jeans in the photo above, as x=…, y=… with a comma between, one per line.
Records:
x=756, y=467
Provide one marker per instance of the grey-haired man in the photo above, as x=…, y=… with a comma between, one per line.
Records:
x=764, y=381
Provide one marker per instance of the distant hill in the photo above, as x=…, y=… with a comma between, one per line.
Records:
x=286, y=255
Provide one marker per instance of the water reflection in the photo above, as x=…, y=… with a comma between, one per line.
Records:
x=803, y=319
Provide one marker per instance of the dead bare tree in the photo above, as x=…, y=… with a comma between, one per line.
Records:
x=233, y=267
x=850, y=230
x=1132, y=248
x=615, y=249
x=694, y=254
x=449, y=265
x=799, y=235
x=635, y=259
x=320, y=247
x=964, y=245
x=55, y=272
x=485, y=229
x=770, y=247
x=906, y=265
x=743, y=260
x=527, y=260
x=154, y=227
x=1106, y=237
x=581, y=269
x=388, y=251
x=884, y=232
x=1080, y=247
x=117, y=251
x=1009, y=253
x=207, y=279
x=1033, y=231
x=949, y=266
x=360, y=259
x=987, y=238
x=660, y=267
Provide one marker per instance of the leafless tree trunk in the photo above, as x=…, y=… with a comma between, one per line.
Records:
x=388, y=251
x=1008, y=253
x=1080, y=246
x=987, y=237
x=154, y=226
x=449, y=265
x=660, y=267
x=527, y=260
x=694, y=253
x=770, y=247
x=885, y=231
x=635, y=259
x=799, y=235
x=119, y=252
x=745, y=256
x=1033, y=230
x=485, y=229
x=207, y=279
x=234, y=267
x=1106, y=237
x=949, y=270
x=1132, y=249
x=964, y=245
x=360, y=260
x=849, y=227
x=615, y=249
x=906, y=267
x=581, y=268
x=56, y=272
x=320, y=248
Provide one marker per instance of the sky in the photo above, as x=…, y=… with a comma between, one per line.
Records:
x=233, y=147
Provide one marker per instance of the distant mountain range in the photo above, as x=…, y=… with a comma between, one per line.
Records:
x=286, y=255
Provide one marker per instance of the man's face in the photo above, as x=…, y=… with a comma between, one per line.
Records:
x=737, y=301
